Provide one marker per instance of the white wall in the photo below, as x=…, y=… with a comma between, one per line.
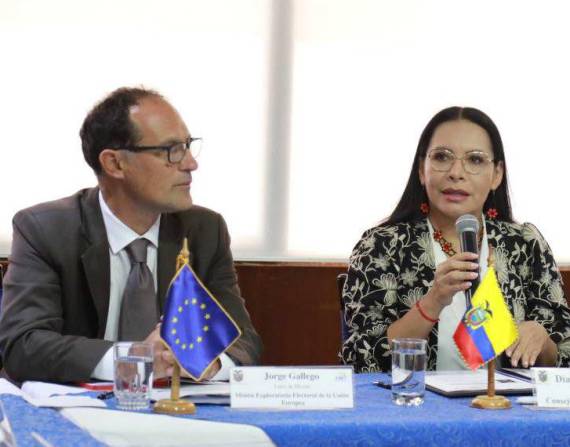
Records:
x=310, y=109
x=59, y=57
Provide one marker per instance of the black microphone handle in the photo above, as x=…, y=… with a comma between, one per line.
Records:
x=468, y=240
x=471, y=290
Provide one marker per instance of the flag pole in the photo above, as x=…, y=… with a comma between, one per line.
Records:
x=175, y=405
x=175, y=383
x=491, y=379
x=491, y=401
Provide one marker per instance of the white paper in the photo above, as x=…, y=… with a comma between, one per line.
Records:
x=65, y=401
x=199, y=389
x=518, y=372
x=9, y=388
x=43, y=389
x=471, y=381
x=121, y=428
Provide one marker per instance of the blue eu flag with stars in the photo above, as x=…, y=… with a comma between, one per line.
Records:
x=195, y=326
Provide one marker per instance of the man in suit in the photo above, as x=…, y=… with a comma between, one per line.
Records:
x=70, y=263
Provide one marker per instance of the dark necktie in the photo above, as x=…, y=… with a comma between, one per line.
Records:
x=139, y=310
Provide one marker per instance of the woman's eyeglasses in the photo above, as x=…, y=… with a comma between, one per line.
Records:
x=474, y=162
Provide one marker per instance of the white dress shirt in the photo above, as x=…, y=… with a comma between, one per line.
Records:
x=120, y=236
x=448, y=357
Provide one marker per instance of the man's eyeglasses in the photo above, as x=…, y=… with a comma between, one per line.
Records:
x=474, y=162
x=176, y=152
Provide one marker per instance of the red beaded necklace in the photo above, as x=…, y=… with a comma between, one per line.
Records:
x=446, y=246
x=444, y=243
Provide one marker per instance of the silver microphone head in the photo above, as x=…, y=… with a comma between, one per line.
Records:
x=467, y=222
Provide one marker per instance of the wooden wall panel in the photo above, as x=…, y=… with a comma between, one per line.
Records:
x=295, y=309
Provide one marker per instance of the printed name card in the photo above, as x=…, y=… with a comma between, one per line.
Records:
x=552, y=387
x=291, y=388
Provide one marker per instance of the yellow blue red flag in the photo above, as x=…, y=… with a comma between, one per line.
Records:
x=195, y=326
x=487, y=328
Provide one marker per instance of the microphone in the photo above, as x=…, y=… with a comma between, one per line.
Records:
x=467, y=227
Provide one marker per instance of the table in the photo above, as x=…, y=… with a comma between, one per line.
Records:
x=373, y=421
x=376, y=421
x=25, y=419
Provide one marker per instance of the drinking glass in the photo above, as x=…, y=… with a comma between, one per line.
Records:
x=133, y=363
x=408, y=371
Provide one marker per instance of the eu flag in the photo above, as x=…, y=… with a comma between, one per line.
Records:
x=195, y=326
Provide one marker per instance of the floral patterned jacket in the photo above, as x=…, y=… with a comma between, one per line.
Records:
x=393, y=266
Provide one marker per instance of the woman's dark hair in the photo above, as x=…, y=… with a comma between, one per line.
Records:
x=408, y=207
x=108, y=124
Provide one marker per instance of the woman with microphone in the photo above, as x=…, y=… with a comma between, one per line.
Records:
x=407, y=277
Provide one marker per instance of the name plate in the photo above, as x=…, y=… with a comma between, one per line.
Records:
x=552, y=387
x=291, y=388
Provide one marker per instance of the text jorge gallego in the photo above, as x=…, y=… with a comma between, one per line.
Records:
x=292, y=376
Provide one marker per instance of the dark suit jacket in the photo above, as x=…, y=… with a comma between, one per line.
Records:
x=56, y=289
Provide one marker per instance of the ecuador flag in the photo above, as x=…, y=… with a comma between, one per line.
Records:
x=487, y=328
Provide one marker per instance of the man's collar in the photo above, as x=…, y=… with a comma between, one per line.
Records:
x=119, y=234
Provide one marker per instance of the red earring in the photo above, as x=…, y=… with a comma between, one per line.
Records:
x=424, y=208
x=492, y=212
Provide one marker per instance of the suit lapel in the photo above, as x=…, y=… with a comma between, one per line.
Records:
x=95, y=257
x=169, y=245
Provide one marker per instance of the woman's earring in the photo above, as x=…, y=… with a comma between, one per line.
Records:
x=492, y=212
x=424, y=206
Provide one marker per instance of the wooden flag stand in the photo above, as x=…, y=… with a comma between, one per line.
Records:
x=175, y=405
x=491, y=401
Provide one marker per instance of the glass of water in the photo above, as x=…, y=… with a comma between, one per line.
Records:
x=408, y=371
x=133, y=374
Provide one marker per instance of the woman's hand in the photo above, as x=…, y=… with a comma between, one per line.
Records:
x=530, y=344
x=452, y=276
